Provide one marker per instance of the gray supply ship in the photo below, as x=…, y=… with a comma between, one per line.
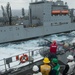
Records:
x=45, y=18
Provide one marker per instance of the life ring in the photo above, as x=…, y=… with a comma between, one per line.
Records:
x=17, y=57
x=23, y=58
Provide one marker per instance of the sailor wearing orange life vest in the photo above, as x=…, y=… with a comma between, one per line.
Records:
x=69, y=68
x=45, y=68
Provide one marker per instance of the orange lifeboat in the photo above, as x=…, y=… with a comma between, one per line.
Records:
x=65, y=12
x=56, y=12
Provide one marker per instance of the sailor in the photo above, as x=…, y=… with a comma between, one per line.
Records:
x=69, y=67
x=45, y=68
x=36, y=70
x=55, y=68
x=66, y=46
x=53, y=50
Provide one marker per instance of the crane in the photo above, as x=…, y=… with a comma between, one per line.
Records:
x=7, y=14
x=4, y=14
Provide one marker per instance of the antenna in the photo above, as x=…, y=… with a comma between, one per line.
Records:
x=7, y=9
x=23, y=12
x=4, y=14
x=10, y=16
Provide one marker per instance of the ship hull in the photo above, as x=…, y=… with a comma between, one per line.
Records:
x=19, y=32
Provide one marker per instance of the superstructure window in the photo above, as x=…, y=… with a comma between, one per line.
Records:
x=43, y=13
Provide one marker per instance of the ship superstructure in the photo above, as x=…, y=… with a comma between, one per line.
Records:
x=45, y=18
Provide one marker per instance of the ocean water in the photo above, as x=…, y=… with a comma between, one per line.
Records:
x=22, y=46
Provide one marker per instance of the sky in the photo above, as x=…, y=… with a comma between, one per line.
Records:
x=19, y=4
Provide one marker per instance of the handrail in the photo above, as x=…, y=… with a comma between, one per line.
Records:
x=11, y=62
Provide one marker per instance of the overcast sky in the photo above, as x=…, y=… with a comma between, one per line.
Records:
x=18, y=4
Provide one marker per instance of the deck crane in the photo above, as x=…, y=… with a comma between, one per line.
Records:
x=9, y=13
x=4, y=15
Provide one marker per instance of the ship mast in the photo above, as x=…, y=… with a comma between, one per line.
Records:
x=23, y=12
x=4, y=15
x=9, y=13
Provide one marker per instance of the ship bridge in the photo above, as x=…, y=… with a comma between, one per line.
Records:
x=50, y=12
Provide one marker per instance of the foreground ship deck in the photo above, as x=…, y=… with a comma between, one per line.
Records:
x=11, y=66
x=52, y=17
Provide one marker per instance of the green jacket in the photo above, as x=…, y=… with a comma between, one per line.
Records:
x=57, y=68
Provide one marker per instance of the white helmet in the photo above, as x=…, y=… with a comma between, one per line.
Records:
x=35, y=68
x=70, y=57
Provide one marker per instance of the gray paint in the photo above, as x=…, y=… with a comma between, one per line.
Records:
x=43, y=23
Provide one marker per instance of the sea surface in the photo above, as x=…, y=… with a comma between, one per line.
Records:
x=10, y=49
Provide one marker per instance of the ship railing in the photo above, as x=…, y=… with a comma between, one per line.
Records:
x=12, y=63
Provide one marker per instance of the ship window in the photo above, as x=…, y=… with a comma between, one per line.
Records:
x=43, y=13
x=60, y=22
x=17, y=28
x=64, y=14
x=4, y=30
x=24, y=26
x=51, y=24
x=55, y=23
